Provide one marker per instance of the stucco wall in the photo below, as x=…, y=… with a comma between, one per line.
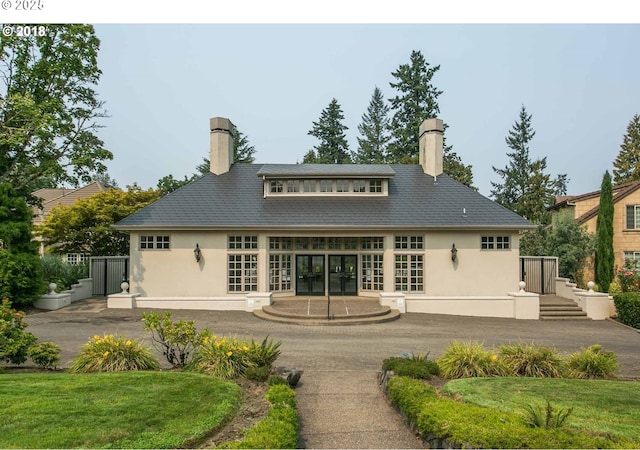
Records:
x=175, y=273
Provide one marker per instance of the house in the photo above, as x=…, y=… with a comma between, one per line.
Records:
x=65, y=197
x=245, y=235
x=626, y=217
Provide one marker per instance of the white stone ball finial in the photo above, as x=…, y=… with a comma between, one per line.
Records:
x=591, y=285
x=522, y=285
x=52, y=288
x=125, y=287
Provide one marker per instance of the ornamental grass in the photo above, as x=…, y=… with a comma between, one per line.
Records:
x=112, y=353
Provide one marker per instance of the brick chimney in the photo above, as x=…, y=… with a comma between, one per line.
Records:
x=221, y=147
x=431, y=146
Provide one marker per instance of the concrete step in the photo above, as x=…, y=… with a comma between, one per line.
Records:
x=267, y=313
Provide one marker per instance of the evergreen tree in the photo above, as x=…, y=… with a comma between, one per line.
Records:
x=453, y=166
x=374, y=130
x=417, y=100
x=627, y=164
x=604, y=257
x=20, y=269
x=329, y=129
x=526, y=189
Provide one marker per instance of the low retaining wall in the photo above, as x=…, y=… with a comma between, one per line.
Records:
x=52, y=300
x=249, y=302
x=597, y=305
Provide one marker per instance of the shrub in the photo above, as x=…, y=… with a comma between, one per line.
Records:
x=628, y=277
x=258, y=373
x=628, y=308
x=279, y=429
x=410, y=395
x=45, y=354
x=592, y=362
x=529, y=360
x=263, y=354
x=175, y=340
x=418, y=366
x=20, y=277
x=224, y=358
x=275, y=379
x=55, y=270
x=549, y=417
x=470, y=359
x=14, y=341
x=113, y=354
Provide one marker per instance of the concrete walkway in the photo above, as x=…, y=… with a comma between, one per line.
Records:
x=339, y=400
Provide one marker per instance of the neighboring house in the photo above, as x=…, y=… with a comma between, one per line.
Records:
x=247, y=233
x=65, y=197
x=626, y=217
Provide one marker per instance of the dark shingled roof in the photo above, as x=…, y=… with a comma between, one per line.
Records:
x=325, y=170
x=234, y=200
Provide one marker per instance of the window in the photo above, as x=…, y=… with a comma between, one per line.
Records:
x=275, y=186
x=77, y=258
x=293, y=185
x=372, y=243
x=372, y=272
x=633, y=217
x=342, y=185
x=243, y=242
x=409, y=242
x=243, y=273
x=359, y=186
x=150, y=242
x=632, y=256
x=375, y=186
x=317, y=243
x=350, y=243
x=409, y=273
x=309, y=185
x=280, y=272
x=495, y=243
x=326, y=186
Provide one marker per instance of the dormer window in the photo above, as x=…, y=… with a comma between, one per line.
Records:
x=326, y=179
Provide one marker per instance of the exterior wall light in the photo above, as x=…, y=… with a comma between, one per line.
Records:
x=454, y=252
x=197, y=253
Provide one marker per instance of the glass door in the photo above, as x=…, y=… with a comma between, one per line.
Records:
x=310, y=275
x=343, y=275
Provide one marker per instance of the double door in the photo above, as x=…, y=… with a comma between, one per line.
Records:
x=312, y=270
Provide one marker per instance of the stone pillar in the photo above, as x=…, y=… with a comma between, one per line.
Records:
x=221, y=145
x=597, y=305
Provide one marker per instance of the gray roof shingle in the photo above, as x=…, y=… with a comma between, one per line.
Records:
x=234, y=200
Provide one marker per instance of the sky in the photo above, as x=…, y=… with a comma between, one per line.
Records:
x=161, y=82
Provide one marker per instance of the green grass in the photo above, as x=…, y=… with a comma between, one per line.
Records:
x=112, y=410
x=598, y=405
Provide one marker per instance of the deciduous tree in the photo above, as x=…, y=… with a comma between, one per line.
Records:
x=86, y=226
x=49, y=109
x=626, y=167
x=330, y=131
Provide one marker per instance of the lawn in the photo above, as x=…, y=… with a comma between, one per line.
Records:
x=598, y=405
x=112, y=410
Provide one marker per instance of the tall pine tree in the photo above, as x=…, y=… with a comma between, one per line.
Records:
x=604, y=259
x=627, y=164
x=526, y=189
x=417, y=100
x=374, y=131
x=330, y=131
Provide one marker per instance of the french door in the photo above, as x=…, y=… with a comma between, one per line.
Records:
x=310, y=275
x=343, y=275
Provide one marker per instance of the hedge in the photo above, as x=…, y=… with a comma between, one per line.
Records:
x=628, y=308
x=442, y=421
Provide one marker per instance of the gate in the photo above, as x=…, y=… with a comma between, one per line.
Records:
x=108, y=272
x=539, y=273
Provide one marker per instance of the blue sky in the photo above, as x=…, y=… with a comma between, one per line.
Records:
x=162, y=82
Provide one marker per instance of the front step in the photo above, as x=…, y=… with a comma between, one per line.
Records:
x=562, y=311
x=379, y=314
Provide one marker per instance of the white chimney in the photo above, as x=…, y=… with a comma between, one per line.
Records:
x=431, y=146
x=221, y=148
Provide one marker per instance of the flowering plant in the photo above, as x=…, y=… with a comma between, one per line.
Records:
x=111, y=353
x=629, y=276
